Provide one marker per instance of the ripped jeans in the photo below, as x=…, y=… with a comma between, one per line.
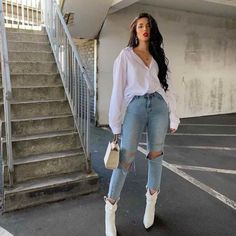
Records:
x=149, y=112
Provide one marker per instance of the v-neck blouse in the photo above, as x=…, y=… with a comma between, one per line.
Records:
x=140, y=60
x=131, y=77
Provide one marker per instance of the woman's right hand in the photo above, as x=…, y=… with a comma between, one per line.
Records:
x=115, y=138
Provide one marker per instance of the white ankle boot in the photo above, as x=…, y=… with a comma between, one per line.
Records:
x=110, y=218
x=149, y=214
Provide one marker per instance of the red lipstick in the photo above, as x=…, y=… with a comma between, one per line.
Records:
x=145, y=34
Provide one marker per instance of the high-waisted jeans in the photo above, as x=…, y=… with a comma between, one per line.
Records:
x=149, y=112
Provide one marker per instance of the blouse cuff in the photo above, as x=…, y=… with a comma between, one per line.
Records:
x=174, y=125
x=174, y=121
x=116, y=130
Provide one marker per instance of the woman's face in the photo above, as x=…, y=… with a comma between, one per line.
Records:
x=143, y=29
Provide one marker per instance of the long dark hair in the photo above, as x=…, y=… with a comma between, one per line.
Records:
x=155, y=46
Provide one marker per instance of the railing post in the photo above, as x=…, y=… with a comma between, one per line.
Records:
x=88, y=134
x=9, y=142
x=17, y=13
x=7, y=94
x=22, y=13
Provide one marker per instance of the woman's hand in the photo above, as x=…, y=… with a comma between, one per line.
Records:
x=115, y=138
x=172, y=131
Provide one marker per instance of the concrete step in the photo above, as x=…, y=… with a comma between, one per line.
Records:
x=24, y=146
x=26, y=36
x=34, y=79
x=33, y=67
x=30, y=56
x=50, y=164
x=40, y=125
x=31, y=109
x=28, y=31
x=36, y=93
x=49, y=189
x=28, y=46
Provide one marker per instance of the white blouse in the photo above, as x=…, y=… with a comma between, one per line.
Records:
x=132, y=77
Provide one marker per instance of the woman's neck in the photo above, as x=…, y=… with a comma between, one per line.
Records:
x=143, y=46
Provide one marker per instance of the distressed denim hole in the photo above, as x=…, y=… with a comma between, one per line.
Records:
x=125, y=165
x=154, y=155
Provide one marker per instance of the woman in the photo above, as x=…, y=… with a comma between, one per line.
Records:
x=142, y=89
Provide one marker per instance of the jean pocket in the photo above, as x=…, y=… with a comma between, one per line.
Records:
x=133, y=99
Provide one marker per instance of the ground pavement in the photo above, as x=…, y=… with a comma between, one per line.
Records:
x=198, y=189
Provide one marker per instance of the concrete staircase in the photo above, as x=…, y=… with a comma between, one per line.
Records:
x=49, y=161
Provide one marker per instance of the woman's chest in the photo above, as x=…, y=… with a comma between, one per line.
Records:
x=136, y=72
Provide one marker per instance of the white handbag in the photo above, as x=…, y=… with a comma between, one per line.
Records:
x=111, y=159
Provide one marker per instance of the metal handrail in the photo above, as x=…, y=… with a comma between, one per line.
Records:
x=7, y=94
x=77, y=86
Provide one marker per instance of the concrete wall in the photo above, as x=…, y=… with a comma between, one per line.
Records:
x=202, y=54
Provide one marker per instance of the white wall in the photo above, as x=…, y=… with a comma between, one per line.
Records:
x=202, y=54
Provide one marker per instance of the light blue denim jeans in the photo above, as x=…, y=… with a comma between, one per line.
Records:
x=148, y=112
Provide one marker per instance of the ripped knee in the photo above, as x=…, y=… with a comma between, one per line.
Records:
x=126, y=166
x=127, y=163
x=154, y=155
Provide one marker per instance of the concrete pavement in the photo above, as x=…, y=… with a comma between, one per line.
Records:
x=198, y=190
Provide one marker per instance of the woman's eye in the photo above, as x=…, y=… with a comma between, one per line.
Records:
x=140, y=26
